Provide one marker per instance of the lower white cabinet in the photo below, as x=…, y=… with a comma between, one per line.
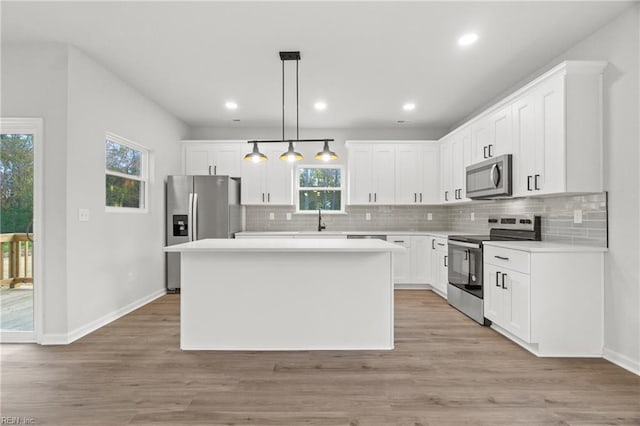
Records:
x=439, y=258
x=548, y=300
x=413, y=265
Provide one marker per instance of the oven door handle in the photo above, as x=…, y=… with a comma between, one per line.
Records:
x=461, y=244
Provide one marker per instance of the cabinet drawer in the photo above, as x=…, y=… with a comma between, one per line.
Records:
x=401, y=240
x=442, y=244
x=507, y=258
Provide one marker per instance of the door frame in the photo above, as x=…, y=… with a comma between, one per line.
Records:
x=34, y=126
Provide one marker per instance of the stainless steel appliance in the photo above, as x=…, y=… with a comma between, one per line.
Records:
x=199, y=207
x=490, y=178
x=465, y=290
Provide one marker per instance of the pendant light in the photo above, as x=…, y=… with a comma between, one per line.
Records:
x=255, y=156
x=291, y=155
x=326, y=154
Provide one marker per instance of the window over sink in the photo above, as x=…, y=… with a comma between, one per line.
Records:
x=319, y=188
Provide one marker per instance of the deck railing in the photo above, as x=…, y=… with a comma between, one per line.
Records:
x=17, y=259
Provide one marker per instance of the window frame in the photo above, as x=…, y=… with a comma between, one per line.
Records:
x=144, y=173
x=341, y=188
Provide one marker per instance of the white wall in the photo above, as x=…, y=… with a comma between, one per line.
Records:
x=116, y=258
x=34, y=84
x=619, y=44
x=92, y=270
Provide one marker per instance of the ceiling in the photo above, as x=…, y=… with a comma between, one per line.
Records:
x=364, y=59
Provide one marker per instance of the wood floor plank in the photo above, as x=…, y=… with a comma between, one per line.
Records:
x=445, y=370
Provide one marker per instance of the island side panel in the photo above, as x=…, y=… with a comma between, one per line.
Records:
x=286, y=301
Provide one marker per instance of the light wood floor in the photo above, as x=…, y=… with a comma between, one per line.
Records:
x=445, y=370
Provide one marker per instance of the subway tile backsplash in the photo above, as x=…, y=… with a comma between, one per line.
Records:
x=557, y=217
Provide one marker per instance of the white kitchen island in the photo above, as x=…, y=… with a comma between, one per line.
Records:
x=286, y=294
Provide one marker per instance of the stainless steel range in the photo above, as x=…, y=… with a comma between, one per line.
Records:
x=465, y=289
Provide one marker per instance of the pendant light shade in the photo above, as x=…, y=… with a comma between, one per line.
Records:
x=255, y=156
x=326, y=154
x=291, y=155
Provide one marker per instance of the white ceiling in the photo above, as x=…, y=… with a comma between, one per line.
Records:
x=365, y=59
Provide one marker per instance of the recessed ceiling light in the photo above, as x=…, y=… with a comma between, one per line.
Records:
x=409, y=106
x=320, y=106
x=468, y=39
x=231, y=105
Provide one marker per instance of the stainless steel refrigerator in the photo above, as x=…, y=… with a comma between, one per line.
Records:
x=199, y=207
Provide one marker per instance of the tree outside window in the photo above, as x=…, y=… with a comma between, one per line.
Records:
x=319, y=188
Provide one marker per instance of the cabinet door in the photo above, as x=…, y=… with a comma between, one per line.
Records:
x=434, y=270
x=500, y=134
x=252, y=184
x=516, y=315
x=278, y=177
x=198, y=159
x=493, y=293
x=524, y=144
x=550, y=149
x=227, y=158
x=430, y=165
x=401, y=260
x=408, y=171
x=443, y=260
x=480, y=140
x=360, y=174
x=457, y=167
x=446, y=193
x=465, y=139
x=384, y=174
x=420, y=259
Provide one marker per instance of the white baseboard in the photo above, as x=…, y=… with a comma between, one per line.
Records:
x=10, y=336
x=400, y=286
x=622, y=361
x=72, y=336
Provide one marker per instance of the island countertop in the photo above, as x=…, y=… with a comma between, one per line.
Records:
x=284, y=245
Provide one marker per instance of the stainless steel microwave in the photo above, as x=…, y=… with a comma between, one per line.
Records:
x=490, y=178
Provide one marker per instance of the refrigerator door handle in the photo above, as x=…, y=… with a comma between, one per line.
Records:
x=190, y=217
x=195, y=216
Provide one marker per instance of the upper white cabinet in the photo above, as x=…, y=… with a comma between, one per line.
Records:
x=553, y=128
x=557, y=132
x=214, y=157
x=455, y=156
x=392, y=172
x=268, y=182
x=417, y=173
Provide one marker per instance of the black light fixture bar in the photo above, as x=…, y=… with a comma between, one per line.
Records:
x=291, y=140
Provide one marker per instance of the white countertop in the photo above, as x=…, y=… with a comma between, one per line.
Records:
x=441, y=234
x=284, y=245
x=545, y=247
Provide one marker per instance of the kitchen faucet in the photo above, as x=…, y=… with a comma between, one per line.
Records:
x=321, y=225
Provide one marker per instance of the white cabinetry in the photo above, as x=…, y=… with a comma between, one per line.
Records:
x=492, y=134
x=413, y=265
x=455, y=156
x=371, y=173
x=439, y=266
x=550, y=302
x=268, y=182
x=417, y=173
x=557, y=132
x=213, y=157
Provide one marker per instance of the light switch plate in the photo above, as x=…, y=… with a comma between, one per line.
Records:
x=83, y=215
x=288, y=216
x=272, y=215
x=367, y=216
x=429, y=216
x=577, y=216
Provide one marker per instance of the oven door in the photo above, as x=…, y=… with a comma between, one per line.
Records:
x=465, y=267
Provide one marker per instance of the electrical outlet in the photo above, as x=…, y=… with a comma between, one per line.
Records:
x=577, y=216
x=429, y=216
x=473, y=216
x=83, y=215
x=288, y=216
x=272, y=216
x=367, y=216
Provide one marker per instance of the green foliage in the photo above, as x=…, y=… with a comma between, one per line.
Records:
x=324, y=200
x=319, y=178
x=122, y=192
x=16, y=182
x=123, y=159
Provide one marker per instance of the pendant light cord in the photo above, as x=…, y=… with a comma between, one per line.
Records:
x=282, y=99
x=297, y=104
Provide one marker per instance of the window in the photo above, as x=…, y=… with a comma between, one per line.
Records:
x=319, y=187
x=126, y=175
